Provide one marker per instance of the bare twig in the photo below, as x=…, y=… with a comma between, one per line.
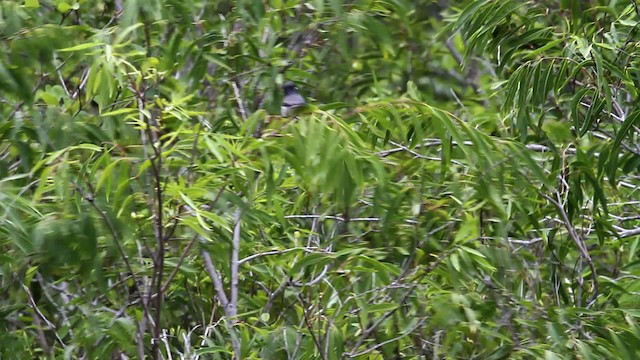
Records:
x=454, y=52
x=63, y=83
x=233, y=302
x=222, y=297
x=177, y=268
x=116, y=238
x=368, y=331
x=39, y=316
x=142, y=329
x=339, y=218
x=582, y=248
x=125, y=258
x=314, y=281
x=273, y=296
x=237, y=93
x=311, y=250
x=20, y=104
x=381, y=344
x=215, y=278
x=305, y=308
x=166, y=343
x=155, y=197
x=82, y=84
x=629, y=232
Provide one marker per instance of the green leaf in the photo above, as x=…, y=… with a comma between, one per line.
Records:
x=81, y=46
x=542, y=49
x=468, y=230
x=32, y=3
x=212, y=350
x=308, y=261
x=628, y=123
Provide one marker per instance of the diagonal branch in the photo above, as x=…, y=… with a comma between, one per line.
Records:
x=222, y=297
x=582, y=248
x=368, y=331
x=90, y=198
x=241, y=107
x=215, y=278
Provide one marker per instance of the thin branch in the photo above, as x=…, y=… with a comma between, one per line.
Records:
x=116, y=239
x=233, y=304
x=156, y=199
x=634, y=277
x=311, y=250
x=415, y=154
x=82, y=84
x=454, y=52
x=114, y=234
x=331, y=323
x=379, y=345
x=177, y=268
x=579, y=244
x=338, y=218
x=314, y=281
x=20, y=104
x=166, y=343
x=142, y=329
x=62, y=82
x=273, y=296
x=222, y=297
x=316, y=340
x=368, y=331
x=215, y=278
x=39, y=316
x=236, y=92
x=629, y=232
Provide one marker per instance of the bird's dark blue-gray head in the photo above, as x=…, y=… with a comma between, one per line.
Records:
x=289, y=88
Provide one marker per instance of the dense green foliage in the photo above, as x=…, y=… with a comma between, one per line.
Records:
x=464, y=186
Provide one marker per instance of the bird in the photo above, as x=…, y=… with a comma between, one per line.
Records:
x=292, y=101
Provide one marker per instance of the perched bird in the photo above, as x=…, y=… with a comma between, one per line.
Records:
x=292, y=101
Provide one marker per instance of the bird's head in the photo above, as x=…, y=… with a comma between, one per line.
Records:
x=289, y=87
